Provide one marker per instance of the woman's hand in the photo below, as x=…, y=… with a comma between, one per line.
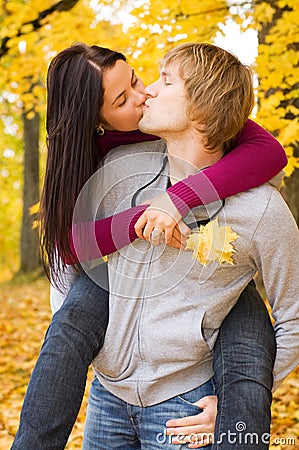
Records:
x=160, y=215
x=178, y=239
x=195, y=430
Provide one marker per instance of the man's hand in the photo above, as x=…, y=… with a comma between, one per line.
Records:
x=195, y=430
x=160, y=215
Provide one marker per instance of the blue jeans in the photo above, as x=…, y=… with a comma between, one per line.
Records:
x=244, y=355
x=56, y=387
x=112, y=423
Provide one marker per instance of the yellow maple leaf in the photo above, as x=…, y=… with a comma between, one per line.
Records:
x=35, y=224
x=34, y=209
x=212, y=242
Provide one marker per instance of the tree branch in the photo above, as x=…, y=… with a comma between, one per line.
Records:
x=62, y=5
x=182, y=15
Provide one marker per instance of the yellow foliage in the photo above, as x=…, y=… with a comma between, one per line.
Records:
x=159, y=24
x=212, y=243
x=34, y=209
x=24, y=318
x=264, y=12
x=278, y=71
x=29, y=55
x=30, y=114
x=26, y=28
x=293, y=163
x=290, y=132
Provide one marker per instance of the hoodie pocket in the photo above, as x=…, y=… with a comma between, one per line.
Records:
x=175, y=339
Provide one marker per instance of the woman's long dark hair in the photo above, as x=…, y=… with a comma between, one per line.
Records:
x=75, y=98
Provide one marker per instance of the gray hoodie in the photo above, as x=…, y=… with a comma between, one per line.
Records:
x=165, y=307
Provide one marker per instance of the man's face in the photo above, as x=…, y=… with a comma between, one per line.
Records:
x=165, y=110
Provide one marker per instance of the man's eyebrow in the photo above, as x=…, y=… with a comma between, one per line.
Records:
x=123, y=92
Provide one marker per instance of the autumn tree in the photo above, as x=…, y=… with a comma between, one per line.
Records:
x=158, y=25
x=10, y=187
x=29, y=95
x=32, y=33
x=30, y=36
x=278, y=71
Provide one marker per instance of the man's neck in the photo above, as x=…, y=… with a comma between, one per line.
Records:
x=187, y=156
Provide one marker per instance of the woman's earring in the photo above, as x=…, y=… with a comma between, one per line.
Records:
x=100, y=130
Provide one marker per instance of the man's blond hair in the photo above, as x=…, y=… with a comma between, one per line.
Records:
x=218, y=88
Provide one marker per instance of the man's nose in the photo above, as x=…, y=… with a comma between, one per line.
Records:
x=151, y=89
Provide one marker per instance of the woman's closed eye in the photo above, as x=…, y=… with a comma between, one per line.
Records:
x=134, y=82
x=122, y=102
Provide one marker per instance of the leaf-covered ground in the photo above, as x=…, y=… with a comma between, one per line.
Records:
x=24, y=317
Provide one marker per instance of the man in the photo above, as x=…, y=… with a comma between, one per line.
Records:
x=160, y=298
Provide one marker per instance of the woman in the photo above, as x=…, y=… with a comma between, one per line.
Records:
x=77, y=106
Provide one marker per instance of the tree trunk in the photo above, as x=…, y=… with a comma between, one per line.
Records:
x=30, y=257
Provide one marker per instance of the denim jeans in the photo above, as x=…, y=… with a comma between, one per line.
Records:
x=56, y=386
x=244, y=356
x=112, y=423
x=55, y=391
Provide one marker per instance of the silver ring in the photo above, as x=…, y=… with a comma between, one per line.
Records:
x=156, y=233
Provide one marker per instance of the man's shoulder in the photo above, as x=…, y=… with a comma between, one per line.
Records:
x=264, y=191
x=254, y=202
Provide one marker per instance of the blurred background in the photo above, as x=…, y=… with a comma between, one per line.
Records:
x=262, y=33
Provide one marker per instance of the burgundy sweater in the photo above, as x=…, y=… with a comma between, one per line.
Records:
x=257, y=158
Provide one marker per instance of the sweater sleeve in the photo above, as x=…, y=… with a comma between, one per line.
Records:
x=257, y=157
x=274, y=248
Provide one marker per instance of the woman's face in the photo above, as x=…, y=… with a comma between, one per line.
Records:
x=124, y=96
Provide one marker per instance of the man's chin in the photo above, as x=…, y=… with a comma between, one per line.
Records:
x=144, y=127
